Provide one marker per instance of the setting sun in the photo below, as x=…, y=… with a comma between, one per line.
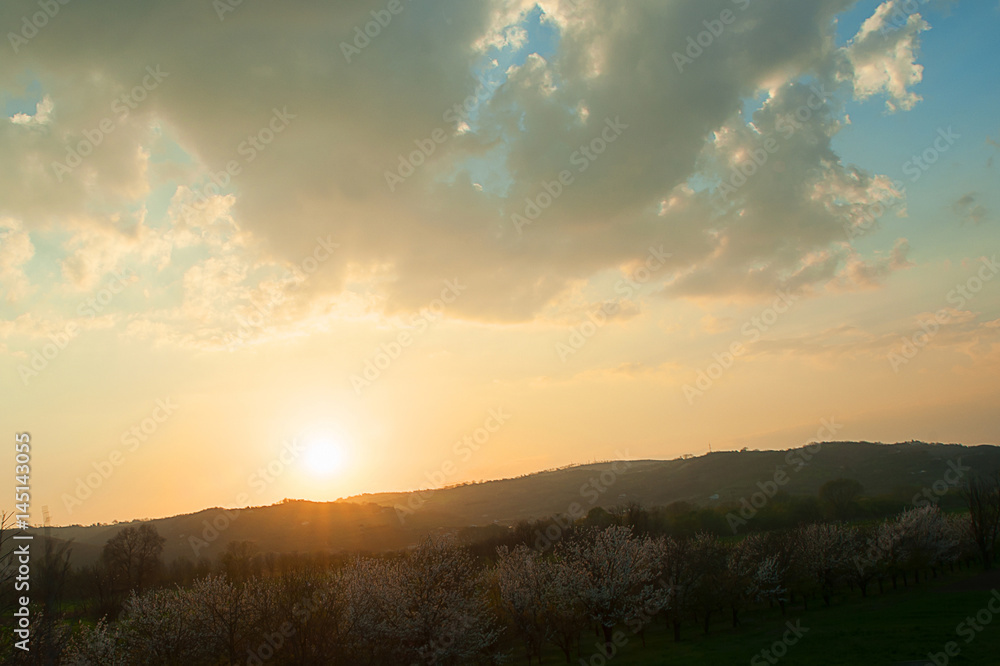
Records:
x=513, y=331
x=324, y=456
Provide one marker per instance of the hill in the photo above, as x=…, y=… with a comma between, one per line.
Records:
x=389, y=521
x=707, y=480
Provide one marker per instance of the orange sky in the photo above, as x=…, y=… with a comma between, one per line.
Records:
x=245, y=264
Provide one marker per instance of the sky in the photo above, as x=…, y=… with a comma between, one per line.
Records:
x=254, y=251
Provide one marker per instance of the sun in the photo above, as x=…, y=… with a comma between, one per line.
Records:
x=324, y=456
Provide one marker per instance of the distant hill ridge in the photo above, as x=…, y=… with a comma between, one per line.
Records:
x=387, y=521
x=881, y=469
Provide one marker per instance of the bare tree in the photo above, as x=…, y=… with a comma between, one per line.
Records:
x=982, y=496
x=132, y=557
x=51, y=575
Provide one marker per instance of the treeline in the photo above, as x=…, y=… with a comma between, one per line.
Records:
x=837, y=500
x=440, y=604
x=495, y=592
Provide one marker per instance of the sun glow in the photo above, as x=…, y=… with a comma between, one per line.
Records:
x=324, y=456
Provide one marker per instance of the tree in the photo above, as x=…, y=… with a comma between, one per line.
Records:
x=823, y=558
x=887, y=552
x=50, y=579
x=866, y=557
x=681, y=573
x=839, y=497
x=322, y=624
x=634, y=515
x=159, y=628
x=238, y=560
x=521, y=579
x=539, y=598
x=131, y=558
x=709, y=559
x=428, y=607
x=982, y=496
x=617, y=566
x=52, y=573
x=599, y=517
x=228, y=614
x=753, y=574
x=564, y=613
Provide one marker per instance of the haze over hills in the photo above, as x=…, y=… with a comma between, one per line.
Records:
x=387, y=521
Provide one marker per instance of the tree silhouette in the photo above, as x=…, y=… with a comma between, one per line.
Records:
x=239, y=559
x=839, y=496
x=982, y=495
x=131, y=558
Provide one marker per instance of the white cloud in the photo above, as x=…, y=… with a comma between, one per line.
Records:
x=325, y=173
x=883, y=56
x=42, y=115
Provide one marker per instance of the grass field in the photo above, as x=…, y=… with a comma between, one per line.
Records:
x=895, y=628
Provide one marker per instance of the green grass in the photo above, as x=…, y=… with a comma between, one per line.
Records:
x=897, y=627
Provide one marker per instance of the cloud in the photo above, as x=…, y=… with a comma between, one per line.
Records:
x=42, y=115
x=969, y=209
x=325, y=172
x=869, y=274
x=16, y=250
x=618, y=310
x=882, y=56
x=713, y=325
x=963, y=333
